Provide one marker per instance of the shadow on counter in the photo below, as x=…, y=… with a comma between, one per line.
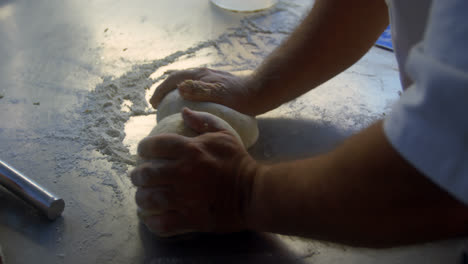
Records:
x=283, y=139
x=18, y=216
x=243, y=247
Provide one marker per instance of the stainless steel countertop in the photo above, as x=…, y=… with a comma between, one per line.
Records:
x=53, y=54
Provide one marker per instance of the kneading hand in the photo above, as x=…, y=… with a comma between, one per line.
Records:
x=203, y=84
x=199, y=184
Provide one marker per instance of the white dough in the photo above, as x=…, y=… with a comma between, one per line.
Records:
x=246, y=126
x=175, y=124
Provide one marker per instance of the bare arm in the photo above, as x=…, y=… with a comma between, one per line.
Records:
x=313, y=54
x=362, y=193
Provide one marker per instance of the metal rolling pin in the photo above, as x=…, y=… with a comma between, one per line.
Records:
x=51, y=205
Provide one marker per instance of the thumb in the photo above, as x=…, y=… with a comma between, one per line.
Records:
x=200, y=91
x=201, y=122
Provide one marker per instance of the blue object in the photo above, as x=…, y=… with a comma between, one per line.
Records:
x=385, y=40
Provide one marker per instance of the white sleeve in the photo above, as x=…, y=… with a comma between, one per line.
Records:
x=429, y=125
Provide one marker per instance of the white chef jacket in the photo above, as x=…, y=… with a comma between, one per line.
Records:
x=429, y=124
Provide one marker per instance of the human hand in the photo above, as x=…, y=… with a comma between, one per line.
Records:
x=203, y=84
x=200, y=184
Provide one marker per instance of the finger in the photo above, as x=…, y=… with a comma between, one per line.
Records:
x=154, y=173
x=167, y=146
x=158, y=199
x=142, y=213
x=171, y=83
x=168, y=224
x=196, y=90
x=201, y=122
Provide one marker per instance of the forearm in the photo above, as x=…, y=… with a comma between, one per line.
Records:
x=334, y=35
x=362, y=193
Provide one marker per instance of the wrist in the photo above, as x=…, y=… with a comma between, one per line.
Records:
x=250, y=176
x=252, y=89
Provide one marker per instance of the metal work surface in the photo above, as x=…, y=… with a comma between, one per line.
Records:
x=75, y=77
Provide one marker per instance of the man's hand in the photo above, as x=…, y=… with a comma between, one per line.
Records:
x=203, y=84
x=200, y=184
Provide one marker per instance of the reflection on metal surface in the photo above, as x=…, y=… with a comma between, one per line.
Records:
x=30, y=191
x=244, y=5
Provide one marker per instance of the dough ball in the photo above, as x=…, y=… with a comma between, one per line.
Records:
x=246, y=126
x=175, y=124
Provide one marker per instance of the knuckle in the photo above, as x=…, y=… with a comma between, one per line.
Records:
x=173, y=75
x=224, y=137
x=193, y=148
x=223, y=143
x=174, y=78
x=203, y=71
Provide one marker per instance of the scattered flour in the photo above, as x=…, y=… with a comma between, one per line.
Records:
x=114, y=101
